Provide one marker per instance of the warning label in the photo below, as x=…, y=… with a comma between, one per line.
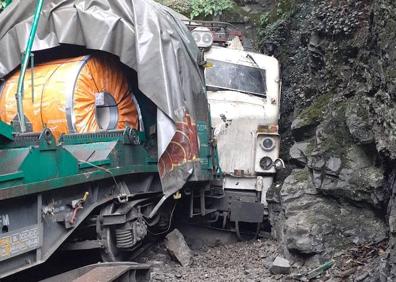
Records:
x=19, y=242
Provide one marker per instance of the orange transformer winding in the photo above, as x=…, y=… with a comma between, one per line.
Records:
x=77, y=95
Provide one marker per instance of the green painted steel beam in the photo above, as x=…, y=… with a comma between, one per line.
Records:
x=11, y=176
x=99, y=163
x=4, y=4
x=6, y=132
x=63, y=182
x=35, y=163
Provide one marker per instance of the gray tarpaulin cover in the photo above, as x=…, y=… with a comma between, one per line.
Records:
x=145, y=36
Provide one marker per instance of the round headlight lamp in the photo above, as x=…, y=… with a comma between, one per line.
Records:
x=266, y=163
x=268, y=144
x=207, y=39
x=203, y=37
x=197, y=37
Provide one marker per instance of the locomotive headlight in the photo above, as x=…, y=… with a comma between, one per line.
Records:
x=268, y=144
x=203, y=37
x=266, y=163
x=197, y=37
x=207, y=39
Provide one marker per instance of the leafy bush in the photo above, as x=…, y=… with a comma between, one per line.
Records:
x=206, y=8
x=180, y=6
x=283, y=9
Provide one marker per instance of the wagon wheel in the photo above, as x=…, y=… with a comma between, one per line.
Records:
x=109, y=252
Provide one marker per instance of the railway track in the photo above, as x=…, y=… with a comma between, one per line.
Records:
x=105, y=272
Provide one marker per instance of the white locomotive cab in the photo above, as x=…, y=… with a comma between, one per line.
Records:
x=244, y=97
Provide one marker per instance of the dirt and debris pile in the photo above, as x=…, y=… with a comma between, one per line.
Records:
x=338, y=129
x=241, y=261
x=260, y=260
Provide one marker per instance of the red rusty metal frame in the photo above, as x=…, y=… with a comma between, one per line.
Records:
x=222, y=31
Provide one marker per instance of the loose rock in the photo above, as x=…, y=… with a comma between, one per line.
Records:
x=280, y=266
x=178, y=248
x=313, y=224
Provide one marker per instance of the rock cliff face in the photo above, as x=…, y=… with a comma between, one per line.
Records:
x=338, y=125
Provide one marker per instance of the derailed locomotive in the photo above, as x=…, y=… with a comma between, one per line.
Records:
x=110, y=127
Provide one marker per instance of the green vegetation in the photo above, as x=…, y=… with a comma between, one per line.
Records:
x=315, y=112
x=311, y=146
x=338, y=138
x=198, y=8
x=301, y=175
x=335, y=136
x=206, y=8
x=181, y=6
x=273, y=22
x=283, y=10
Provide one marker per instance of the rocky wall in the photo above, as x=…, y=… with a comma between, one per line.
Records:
x=338, y=125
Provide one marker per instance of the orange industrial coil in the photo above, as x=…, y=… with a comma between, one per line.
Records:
x=75, y=95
